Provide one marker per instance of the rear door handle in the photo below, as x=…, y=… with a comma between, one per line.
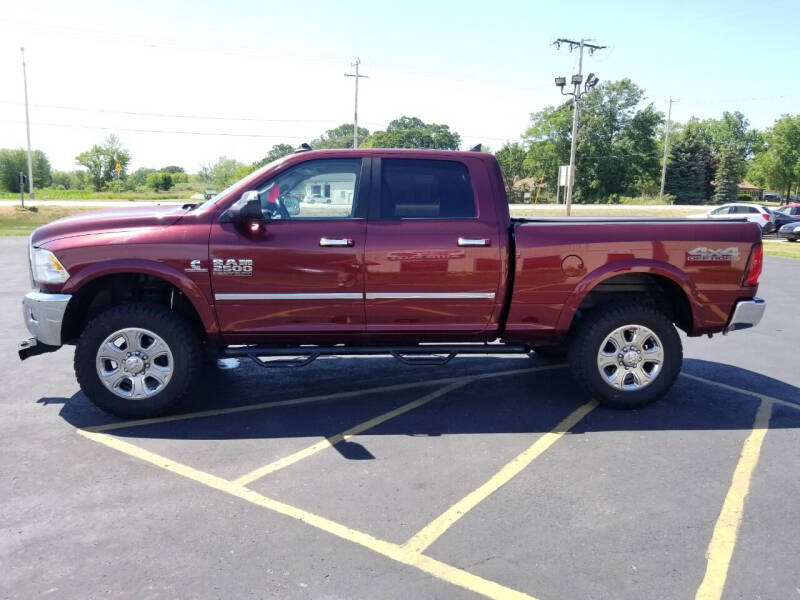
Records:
x=473, y=242
x=335, y=241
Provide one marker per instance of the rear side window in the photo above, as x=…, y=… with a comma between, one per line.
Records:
x=425, y=189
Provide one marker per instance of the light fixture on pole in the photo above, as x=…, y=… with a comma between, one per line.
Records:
x=576, y=93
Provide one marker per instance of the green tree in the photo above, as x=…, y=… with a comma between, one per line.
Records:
x=223, y=172
x=159, y=181
x=548, y=142
x=777, y=164
x=731, y=133
x=727, y=175
x=138, y=178
x=687, y=168
x=411, y=132
x=617, y=147
x=100, y=162
x=339, y=137
x=617, y=151
x=277, y=151
x=172, y=169
x=15, y=160
x=511, y=158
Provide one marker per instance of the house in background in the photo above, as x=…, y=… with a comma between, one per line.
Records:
x=755, y=192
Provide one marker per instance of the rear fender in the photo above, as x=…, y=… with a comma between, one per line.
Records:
x=651, y=267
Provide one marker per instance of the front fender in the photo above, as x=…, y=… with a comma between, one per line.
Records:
x=651, y=267
x=179, y=279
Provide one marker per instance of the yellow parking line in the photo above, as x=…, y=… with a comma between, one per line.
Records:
x=436, y=568
x=281, y=463
x=431, y=532
x=723, y=540
x=732, y=388
x=310, y=399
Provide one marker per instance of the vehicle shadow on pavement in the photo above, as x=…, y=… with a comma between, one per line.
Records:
x=520, y=402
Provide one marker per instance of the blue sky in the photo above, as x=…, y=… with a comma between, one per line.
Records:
x=480, y=67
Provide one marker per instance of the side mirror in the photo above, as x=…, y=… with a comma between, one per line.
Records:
x=245, y=210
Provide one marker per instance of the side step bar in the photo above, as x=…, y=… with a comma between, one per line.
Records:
x=425, y=354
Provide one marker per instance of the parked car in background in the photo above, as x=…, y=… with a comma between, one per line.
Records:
x=772, y=198
x=790, y=209
x=786, y=215
x=755, y=213
x=790, y=231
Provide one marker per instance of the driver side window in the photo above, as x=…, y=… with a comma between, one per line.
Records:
x=316, y=189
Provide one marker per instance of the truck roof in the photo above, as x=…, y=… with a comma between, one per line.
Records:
x=406, y=152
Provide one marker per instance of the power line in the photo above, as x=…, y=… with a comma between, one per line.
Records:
x=172, y=115
x=137, y=130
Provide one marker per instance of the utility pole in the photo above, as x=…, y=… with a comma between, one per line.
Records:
x=355, y=112
x=576, y=81
x=27, y=126
x=666, y=147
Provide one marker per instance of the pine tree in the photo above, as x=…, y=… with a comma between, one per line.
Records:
x=687, y=169
x=728, y=171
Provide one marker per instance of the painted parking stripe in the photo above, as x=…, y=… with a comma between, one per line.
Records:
x=286, y=461
x=433, y=567
x=733, y=388
x=431, y=532
x=320, y=398
x=281, y=463
x=726, y=530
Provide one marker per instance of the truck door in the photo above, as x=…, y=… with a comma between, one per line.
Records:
x=303, y=271
x=433, y=247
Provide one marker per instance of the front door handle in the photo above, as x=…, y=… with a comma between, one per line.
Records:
x=473, y=242
x=335, y=241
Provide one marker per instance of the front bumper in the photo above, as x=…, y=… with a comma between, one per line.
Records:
x=43, y=314
x=746, y=314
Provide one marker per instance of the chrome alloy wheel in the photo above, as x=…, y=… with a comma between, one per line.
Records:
x=630, y=357
x=134, y=363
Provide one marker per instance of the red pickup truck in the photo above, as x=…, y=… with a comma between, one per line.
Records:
x=355, y=252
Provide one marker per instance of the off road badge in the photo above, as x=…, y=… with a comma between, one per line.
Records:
x=233, y=266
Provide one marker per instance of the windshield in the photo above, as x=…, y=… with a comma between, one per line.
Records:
x=254, y=175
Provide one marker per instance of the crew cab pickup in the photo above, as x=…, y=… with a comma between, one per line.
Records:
x=354, y=252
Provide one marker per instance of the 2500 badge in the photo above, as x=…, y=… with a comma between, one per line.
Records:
x=232, y=266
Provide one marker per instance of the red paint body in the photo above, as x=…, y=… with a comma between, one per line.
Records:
x=538, y=270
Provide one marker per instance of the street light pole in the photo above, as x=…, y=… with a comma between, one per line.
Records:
x=666, y=148
x=27, y=126
x=355, y=111
x=576, y=81
x=574, y=141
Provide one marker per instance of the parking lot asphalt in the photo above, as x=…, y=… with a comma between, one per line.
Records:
x=366, y=478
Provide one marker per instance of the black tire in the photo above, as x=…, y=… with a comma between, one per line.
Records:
x=175, y=332
x=592, y=332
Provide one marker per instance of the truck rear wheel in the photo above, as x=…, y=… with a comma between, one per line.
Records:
x=137, y=359
x=625, y=355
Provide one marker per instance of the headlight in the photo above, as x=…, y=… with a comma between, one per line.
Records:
x=46, y=267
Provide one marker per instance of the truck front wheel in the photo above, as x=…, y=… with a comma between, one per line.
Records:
x=137, y=359
x=625, y=355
